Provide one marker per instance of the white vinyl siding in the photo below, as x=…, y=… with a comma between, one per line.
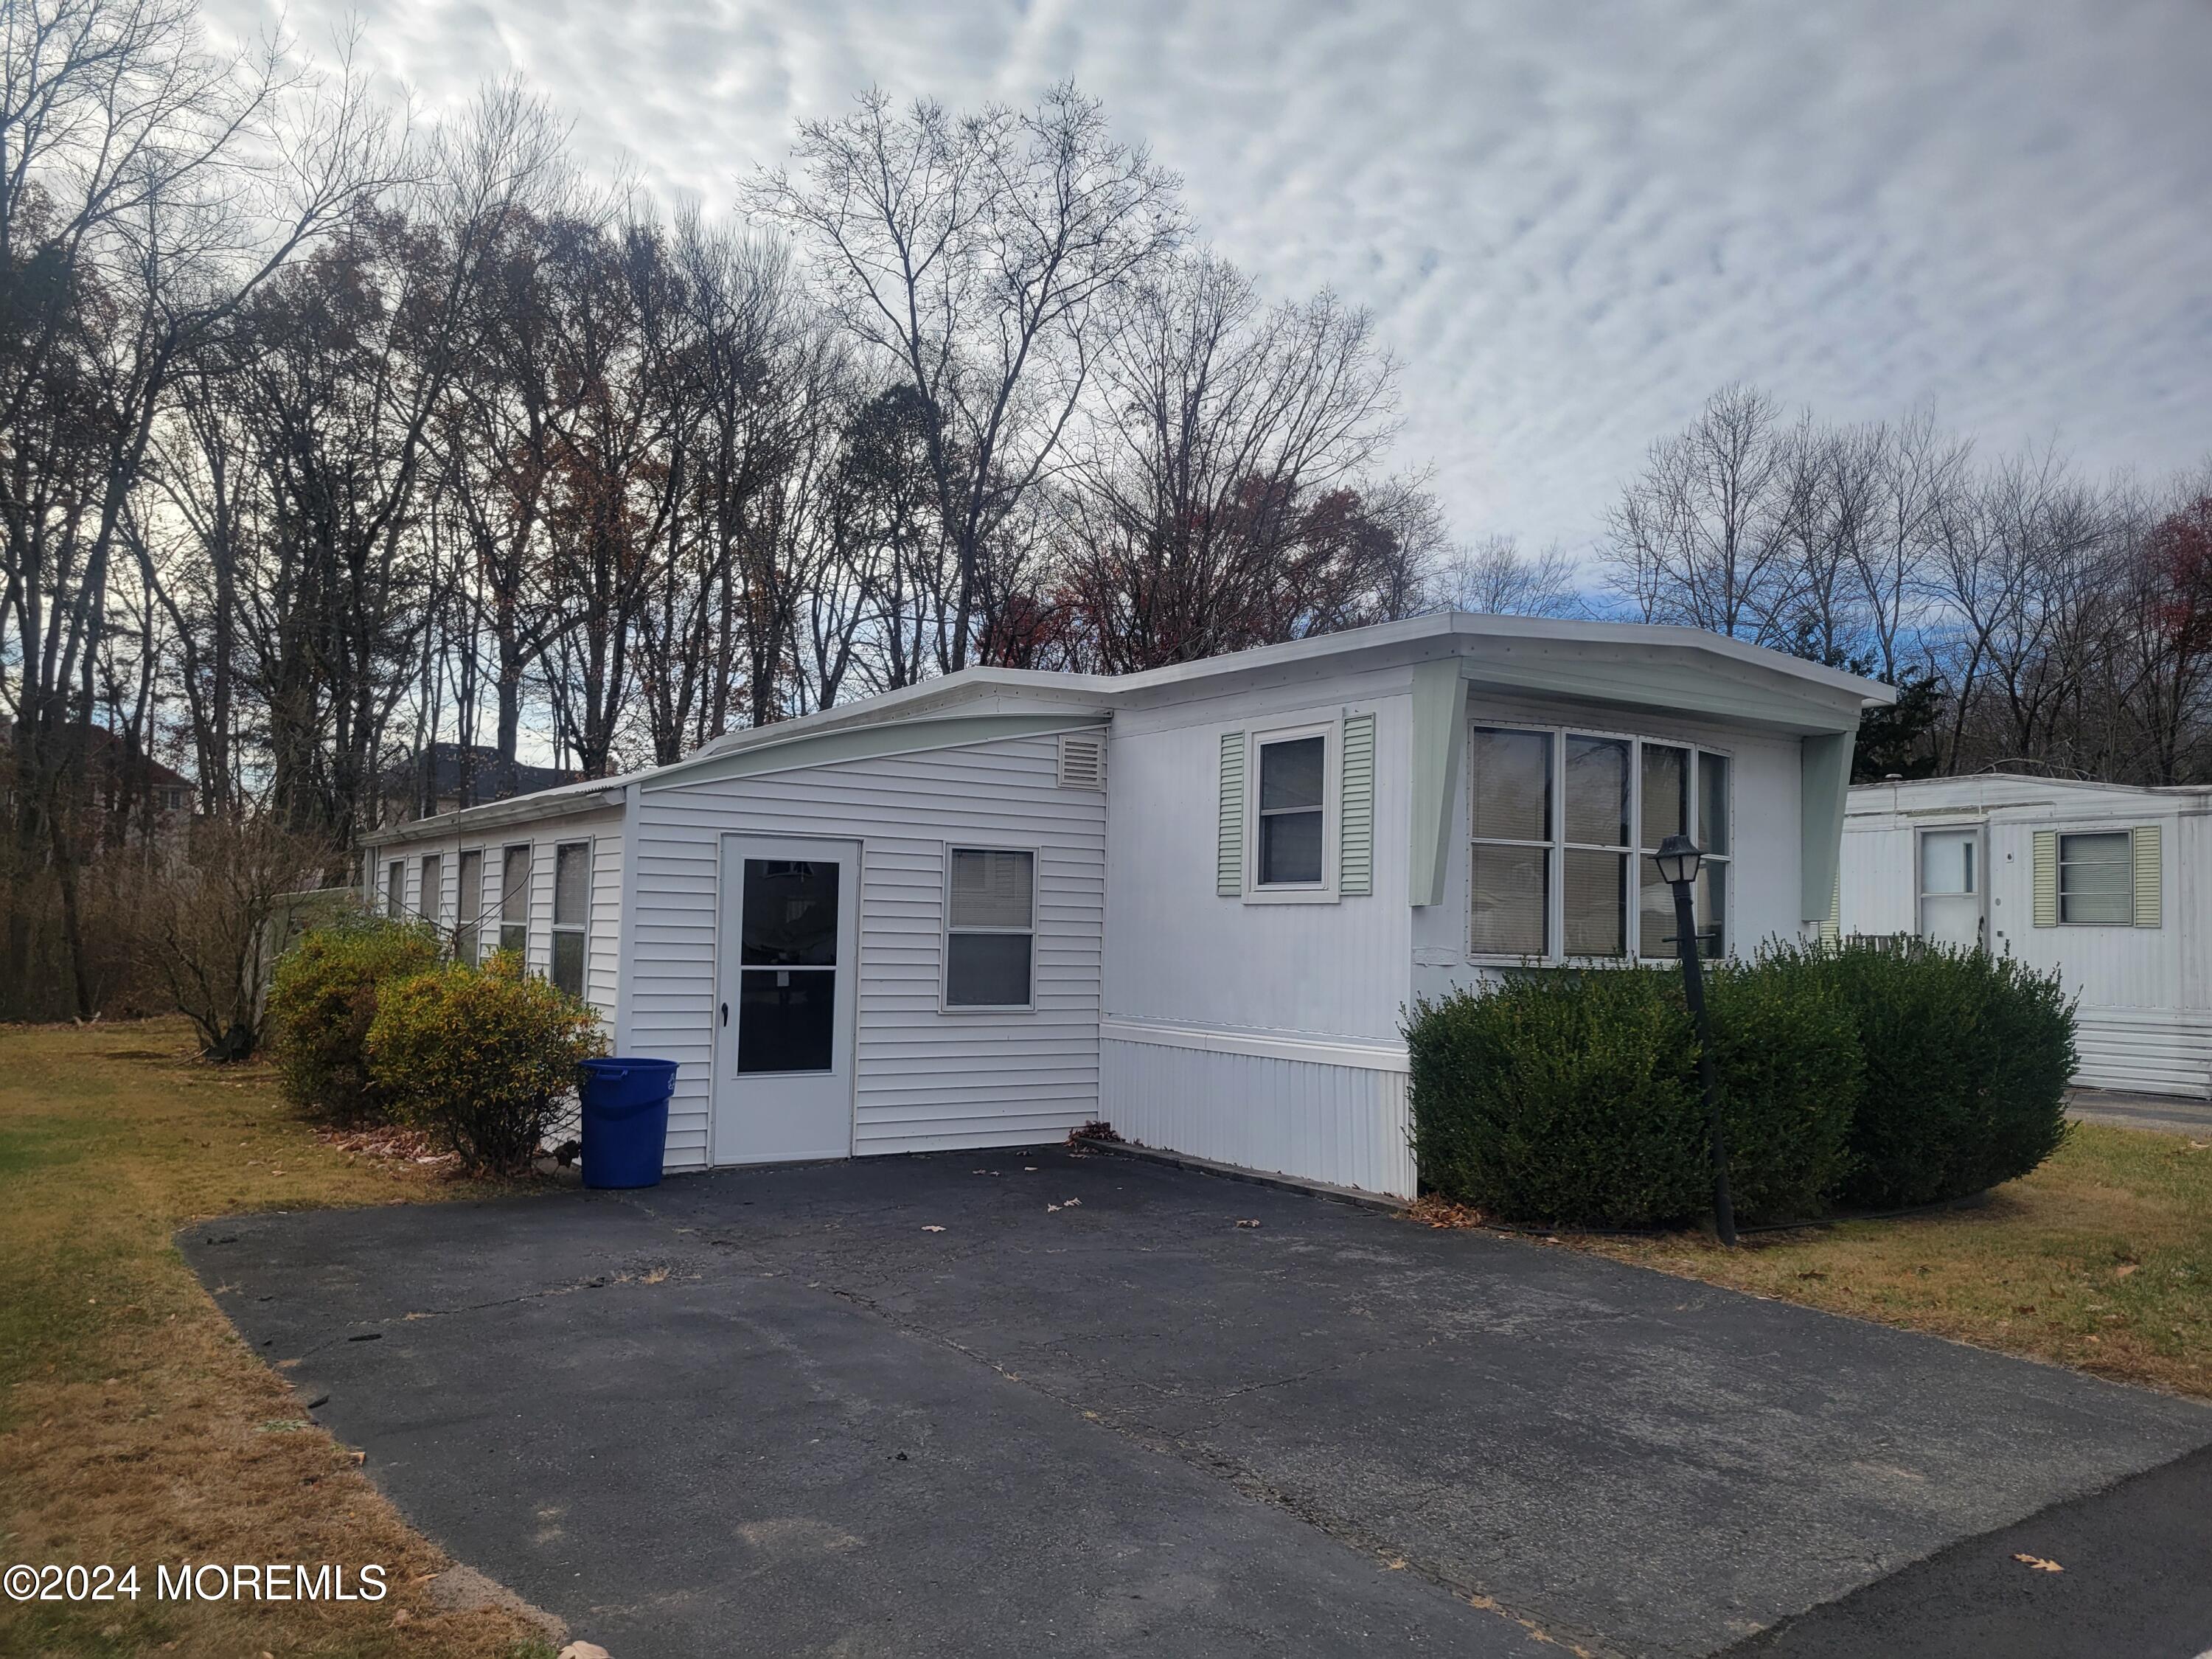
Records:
x=924, y=1078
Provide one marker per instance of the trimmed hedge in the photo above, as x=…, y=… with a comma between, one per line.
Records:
x=481, y=1058
x=321, y=1001
x=1572, y=1097
x=1968, y=1057
x=1876, y=1075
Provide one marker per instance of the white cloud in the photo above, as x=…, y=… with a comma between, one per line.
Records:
x=1573, y=222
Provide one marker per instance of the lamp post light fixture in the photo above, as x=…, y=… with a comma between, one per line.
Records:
x=1678, y=858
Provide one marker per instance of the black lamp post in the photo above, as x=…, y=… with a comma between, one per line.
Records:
x=1678, y=858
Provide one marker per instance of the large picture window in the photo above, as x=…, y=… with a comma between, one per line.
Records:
x=990, y=928
x=1565, y=825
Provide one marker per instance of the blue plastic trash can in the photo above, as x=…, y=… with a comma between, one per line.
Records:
x=625, y=1112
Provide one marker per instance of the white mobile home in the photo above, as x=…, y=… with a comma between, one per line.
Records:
x=2106, y=884
x=1194, y=902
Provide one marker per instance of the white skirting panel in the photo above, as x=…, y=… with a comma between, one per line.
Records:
x=2161, y=1051
x=1345, y=1125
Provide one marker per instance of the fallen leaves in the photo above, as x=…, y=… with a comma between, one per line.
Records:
x=2037, y=1563
x=933, y=1229
x=1248, y=1223
x=1071, y=1204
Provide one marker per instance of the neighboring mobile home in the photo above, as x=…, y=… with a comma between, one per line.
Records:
x=1194, y=902
x=2104, y=883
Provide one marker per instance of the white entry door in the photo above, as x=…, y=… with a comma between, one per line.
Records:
x=789, y=947
x=1952, y=884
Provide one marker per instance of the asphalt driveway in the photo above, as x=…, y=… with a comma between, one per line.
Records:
x=778, y=1412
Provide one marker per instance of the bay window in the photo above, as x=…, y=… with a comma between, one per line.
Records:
x=1565, y=825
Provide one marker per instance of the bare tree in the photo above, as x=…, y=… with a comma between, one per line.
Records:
x=1701, y=537
x=978, y=253
x=1495, y=578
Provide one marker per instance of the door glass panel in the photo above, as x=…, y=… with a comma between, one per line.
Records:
x=790, y=915
x=1947, y=862
x=787, y=1017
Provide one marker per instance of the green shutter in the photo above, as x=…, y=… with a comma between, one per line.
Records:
x=2146, y=839
x=1355, y=814
x=1229, y=847
x=2046, y=878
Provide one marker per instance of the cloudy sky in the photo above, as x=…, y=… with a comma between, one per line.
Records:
x=1572, y=221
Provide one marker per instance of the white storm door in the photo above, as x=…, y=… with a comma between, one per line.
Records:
x=787, y=954
x=1953, y=880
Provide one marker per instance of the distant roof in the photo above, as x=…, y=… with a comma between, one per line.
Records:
x=1988, y=790
x=489, y=779
x=104, y=747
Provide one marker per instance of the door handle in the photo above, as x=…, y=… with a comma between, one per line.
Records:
x=726, y=1013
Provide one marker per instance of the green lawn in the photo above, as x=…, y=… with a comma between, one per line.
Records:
x=135, y=1426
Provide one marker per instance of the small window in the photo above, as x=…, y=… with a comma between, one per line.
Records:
x=1292, y=787
x=990, y=939
x=468, y=906
x=431, y=904
x=572, y=910
x=514, y=901
x=395, y=890
x=2096, y=878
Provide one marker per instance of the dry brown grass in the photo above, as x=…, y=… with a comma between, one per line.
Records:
x=2101, y=1259
x=136, y=1426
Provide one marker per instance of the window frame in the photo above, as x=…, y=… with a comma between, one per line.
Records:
x=1556, y=848
x=582, y=930
x=395, y=891
x=431, y=888
x=468, y=918
x=529, y=851
x=2128, y=891
x=1330, y=729
x=945, y=931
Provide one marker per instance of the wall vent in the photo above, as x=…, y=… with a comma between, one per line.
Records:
x=1082, y=761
